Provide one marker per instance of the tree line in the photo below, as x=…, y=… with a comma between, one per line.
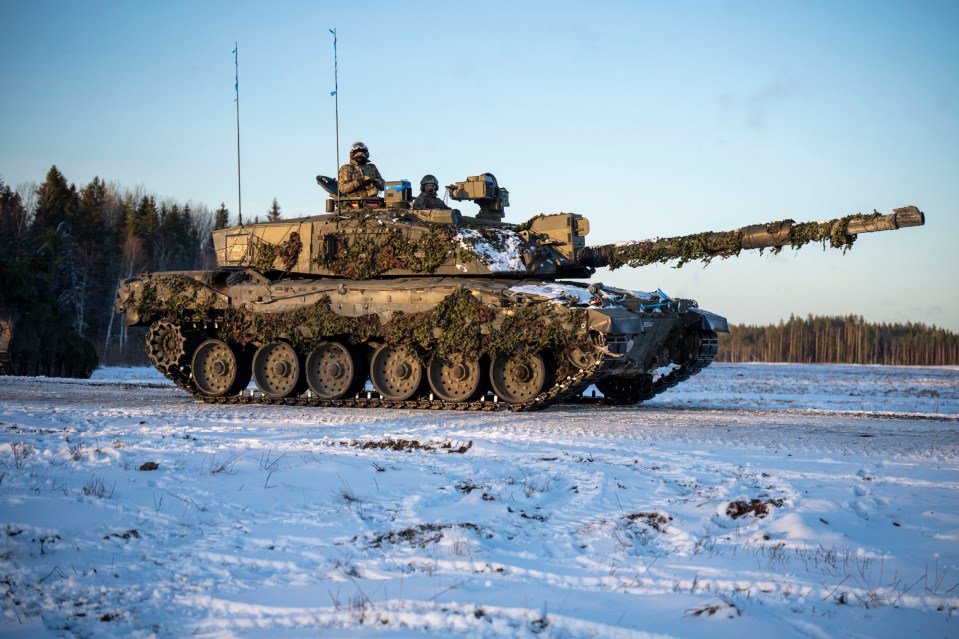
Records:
x=64, y=249
x=840, y=340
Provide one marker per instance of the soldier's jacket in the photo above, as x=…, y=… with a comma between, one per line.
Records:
x=427, y=201
x=350, y=180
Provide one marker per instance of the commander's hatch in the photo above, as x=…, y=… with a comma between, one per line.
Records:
x=329, y=185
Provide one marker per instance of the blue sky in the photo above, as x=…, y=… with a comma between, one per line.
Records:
x=652, y=119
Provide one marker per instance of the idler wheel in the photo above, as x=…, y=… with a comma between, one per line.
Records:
x=276, y=370
x=333, y=370
x=396, y=374
x=519, y=378
x=456, y=378
x=219, y=369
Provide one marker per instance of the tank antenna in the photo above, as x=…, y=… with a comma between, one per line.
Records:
x=336, y=102
x=236, y=87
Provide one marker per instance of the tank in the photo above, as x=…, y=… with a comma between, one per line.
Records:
x=375, y=304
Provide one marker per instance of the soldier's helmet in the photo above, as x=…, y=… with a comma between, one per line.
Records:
x=359, y=147
x=429, y=179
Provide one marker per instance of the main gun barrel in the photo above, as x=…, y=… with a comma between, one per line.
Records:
x=838, y=233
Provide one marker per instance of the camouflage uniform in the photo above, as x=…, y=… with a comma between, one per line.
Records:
x=428, y=201
x=427, y=198
x=352, y=176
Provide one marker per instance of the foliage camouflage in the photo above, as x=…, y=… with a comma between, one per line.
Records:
x=372, y=255
x=289, y=251
x=460, y=323
x=455, y=325
x=706, y=246
x=538, y=327
x=177, y=298
x=300, y=327
x=369, y=256
x=266, y=254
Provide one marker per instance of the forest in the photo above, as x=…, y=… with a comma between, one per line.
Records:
x=64, y=249
x=840, y=340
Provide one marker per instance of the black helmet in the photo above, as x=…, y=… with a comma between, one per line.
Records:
x=357, y=147
x=429, y=179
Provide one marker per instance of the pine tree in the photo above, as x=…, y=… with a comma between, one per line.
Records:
x=13, y=223
x=56, y=203
x=70, y=282
x=273, y=214
x=95, y=230
x=222, y=217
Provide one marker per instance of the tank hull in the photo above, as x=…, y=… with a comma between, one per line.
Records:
x=424, y=342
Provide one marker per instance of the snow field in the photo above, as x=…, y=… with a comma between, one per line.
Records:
x=772, y=500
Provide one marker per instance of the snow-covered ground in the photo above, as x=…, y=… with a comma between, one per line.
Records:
x=754, y=500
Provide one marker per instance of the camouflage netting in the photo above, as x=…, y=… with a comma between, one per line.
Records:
x=289, y=251
x=706, y=246
x=539, y=327
x=175, y=297
x=455, y=325
x=458, y=324
x=300, y=327
x=370, y=256
x=836, y=232
x=266, y=254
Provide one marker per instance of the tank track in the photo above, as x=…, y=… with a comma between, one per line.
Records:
x=562, y=391
x=569, y=390
x=708, y=344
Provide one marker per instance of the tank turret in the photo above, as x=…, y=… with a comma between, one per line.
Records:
x=380, y=237
x=378, y=304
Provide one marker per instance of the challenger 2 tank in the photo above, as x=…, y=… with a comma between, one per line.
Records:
x=377, y=304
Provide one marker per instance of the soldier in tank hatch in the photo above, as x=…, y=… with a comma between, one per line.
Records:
x=359, y=177
x=427, y=199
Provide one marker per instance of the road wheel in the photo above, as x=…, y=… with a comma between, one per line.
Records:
x=333, y=370
x=220, y=369
x=519, y=378
x=456, y=378
x=277, y=371
x=396, y=374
